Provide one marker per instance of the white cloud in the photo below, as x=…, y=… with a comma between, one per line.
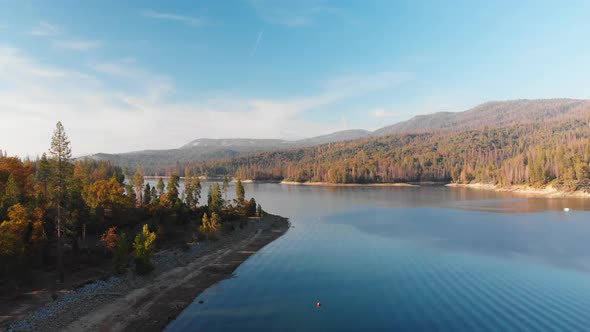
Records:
x=118, y=106
x=381, y=113
x=44, y=29
x=78, y=45
x=188, y=20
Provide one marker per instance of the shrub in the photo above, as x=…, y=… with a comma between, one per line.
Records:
x=210, y=226
x=121, y=253
x=110, y=239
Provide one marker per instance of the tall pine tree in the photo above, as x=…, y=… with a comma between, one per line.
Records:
x=61, y=154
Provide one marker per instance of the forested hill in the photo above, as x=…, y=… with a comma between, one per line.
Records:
x=556, y=152
x=513, y=115
x=494, y=114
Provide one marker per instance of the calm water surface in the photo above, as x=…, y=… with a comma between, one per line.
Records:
x=408, y=259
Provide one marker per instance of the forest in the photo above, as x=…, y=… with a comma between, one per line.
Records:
x=535, y=154
x=58, y=214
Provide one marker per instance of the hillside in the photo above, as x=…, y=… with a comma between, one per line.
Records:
x=155, y=161
x=536, y=154
x=493, y=114
x=490, y=115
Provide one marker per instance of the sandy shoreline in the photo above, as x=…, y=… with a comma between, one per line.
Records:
x=151, y=302
x=523, y=190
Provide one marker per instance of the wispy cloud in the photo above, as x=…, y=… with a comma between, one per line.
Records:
x=188, y=20
x=382, y=113
x=78, y=45
x=294, y=13
x=118, y=106
x=44, y=29
x=257, y=43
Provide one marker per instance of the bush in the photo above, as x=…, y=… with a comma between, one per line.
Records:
x=210, y=226
x=110, y=239
x=144, y=247
x=121, y=257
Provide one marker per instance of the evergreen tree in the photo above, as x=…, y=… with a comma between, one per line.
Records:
x=196, y=184
x=132, y=198
x=147, y=194
x=225, y=187
x=160, y=186
x=240, y=193
x=259, y=211
x=214, y=200
x=43, y=173
x=172, y=188
x=60, y=153
x=250, y=208
x=138, y=184
x=188, y=189
x=11, y=193
x=154, y=196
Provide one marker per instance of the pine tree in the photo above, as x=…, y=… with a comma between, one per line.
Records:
x=44, y=173
x=160, y=186
x=259, y=211
x=132, y=198
x=225, y=187
x=188, y=189
x=172, y=189
x=147, y=194
x=240, y=193
x=214, y=200
x=196, y=184
x=138, y=184
x=154, y=195
x=11, y=193
x=60, y=153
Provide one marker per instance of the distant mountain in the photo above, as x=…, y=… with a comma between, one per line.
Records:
x=492, y=114
x=345, y=135
x=489, y=115
x=204, y=149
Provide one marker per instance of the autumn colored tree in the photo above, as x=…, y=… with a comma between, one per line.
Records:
x=110, y=239
x=105, y=194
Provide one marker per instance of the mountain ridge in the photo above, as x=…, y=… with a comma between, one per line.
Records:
x=489, y=114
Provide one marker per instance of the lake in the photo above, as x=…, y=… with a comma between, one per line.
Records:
x=407, y=259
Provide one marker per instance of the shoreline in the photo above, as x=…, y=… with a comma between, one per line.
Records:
x=152, y=301
x=328, y=184
x=548, y=192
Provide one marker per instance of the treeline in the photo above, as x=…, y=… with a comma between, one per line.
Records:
x=55, y=211
x=555, y=153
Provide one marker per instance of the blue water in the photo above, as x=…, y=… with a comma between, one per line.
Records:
x=408, y=259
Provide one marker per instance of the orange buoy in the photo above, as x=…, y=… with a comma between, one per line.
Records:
x=318, y=304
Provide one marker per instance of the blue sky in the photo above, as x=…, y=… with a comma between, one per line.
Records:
x=131, y=75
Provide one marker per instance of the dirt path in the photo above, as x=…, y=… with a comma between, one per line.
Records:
x=153, y=306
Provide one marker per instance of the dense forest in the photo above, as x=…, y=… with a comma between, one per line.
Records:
x=58, y=214
x=538, y=154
